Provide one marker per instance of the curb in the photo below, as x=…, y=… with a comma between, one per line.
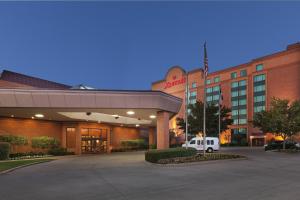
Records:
x=194, y=163
x=23, y=166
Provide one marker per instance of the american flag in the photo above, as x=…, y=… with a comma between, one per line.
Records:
x=205, y=61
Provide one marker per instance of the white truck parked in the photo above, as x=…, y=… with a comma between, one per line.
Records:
x=212, y=144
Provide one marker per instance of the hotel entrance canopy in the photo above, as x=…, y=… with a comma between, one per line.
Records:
x=94, y=105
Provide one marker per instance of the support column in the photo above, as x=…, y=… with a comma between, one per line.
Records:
x=162, y=130
x=151, y=136
x=78, y=140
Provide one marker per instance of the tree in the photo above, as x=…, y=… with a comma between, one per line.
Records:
x=282, y=119
x=195, y=119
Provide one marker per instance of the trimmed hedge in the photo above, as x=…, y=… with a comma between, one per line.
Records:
x=59, y=152
x=44, y=142
x=199, y=158
x=155, y=155
x=14, y=139
x=134, y=144
x=4, y=150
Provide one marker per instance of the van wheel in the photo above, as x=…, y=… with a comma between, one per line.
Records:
x=209, y=150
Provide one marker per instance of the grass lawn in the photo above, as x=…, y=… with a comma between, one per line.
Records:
x=16, y=163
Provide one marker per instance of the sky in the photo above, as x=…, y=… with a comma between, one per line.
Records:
x=129, y=45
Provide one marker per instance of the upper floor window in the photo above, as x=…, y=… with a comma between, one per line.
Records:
x=233, y=75
x=243, y=73
x=208, y=81
x=209, y=90
x=217, y=79
x=216, y=88
x=194, y=85
x=242, y=83
x=194, y=93
x=234, y=84
x=260, y=77
x=259, y=67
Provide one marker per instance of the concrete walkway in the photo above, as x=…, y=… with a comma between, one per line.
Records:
x=265, y=175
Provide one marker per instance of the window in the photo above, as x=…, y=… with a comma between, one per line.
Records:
x=208, y=142
x=216, y=97
x=209, y=90
x=234, y=103
x=259, y=108
x=242, y=92
x=209, y=98
x=216, y=88
x=212, y=142
x=198, y=142
x=234, y=112
x=194, y=93
x=259, y=98
x=233, y=75
x=259, y=67
x=234, y=93
x=260, y=77
x=235, y=121
x=194, y=85
x=242, y=102
x=259, y=88
x=242, y=83
x=242, y=111
x=234, y=84
x=243, y=73
x=208, y=81
x=193, y=101
x=193, y=142
x=242, y=131
x=242, y=121
x=217, y=79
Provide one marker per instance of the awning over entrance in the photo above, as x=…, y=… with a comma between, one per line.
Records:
x=94, y=105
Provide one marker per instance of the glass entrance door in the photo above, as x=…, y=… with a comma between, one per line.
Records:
x=93, y=140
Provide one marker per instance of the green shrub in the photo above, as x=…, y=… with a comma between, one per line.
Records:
x=59, y=152
x=4, y=150
x=14, y=139
x=155, y=155
x=134, y=144
x=152, y=146
x=44, y=142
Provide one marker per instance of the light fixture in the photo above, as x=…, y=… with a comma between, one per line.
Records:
x=152, y=116
x=116, y=116
x=130, y=112
x=32, y=117
x=39, y=115
x=137, y=125
x=12, y=116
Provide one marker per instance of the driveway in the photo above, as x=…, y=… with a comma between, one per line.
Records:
x=265, y=175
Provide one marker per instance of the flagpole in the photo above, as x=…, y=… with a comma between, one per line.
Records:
x=204, y=100
x=220, y=96
x=186, y=109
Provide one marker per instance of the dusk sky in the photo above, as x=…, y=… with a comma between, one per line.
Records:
x=128, y=45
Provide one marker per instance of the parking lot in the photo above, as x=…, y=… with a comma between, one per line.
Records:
x=264, y=175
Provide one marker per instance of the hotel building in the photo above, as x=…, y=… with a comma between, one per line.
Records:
x=247, y=89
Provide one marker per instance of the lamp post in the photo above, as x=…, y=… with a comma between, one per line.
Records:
x=186, y=110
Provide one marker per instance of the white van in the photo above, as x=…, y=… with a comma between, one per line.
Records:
x=212, y=144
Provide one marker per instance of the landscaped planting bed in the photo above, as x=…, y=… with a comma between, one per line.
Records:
x=199, y=158
x=155, y=155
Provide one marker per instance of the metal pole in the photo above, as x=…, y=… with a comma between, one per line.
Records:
x=204, y=116
x=219, y=114
x=186, y=109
